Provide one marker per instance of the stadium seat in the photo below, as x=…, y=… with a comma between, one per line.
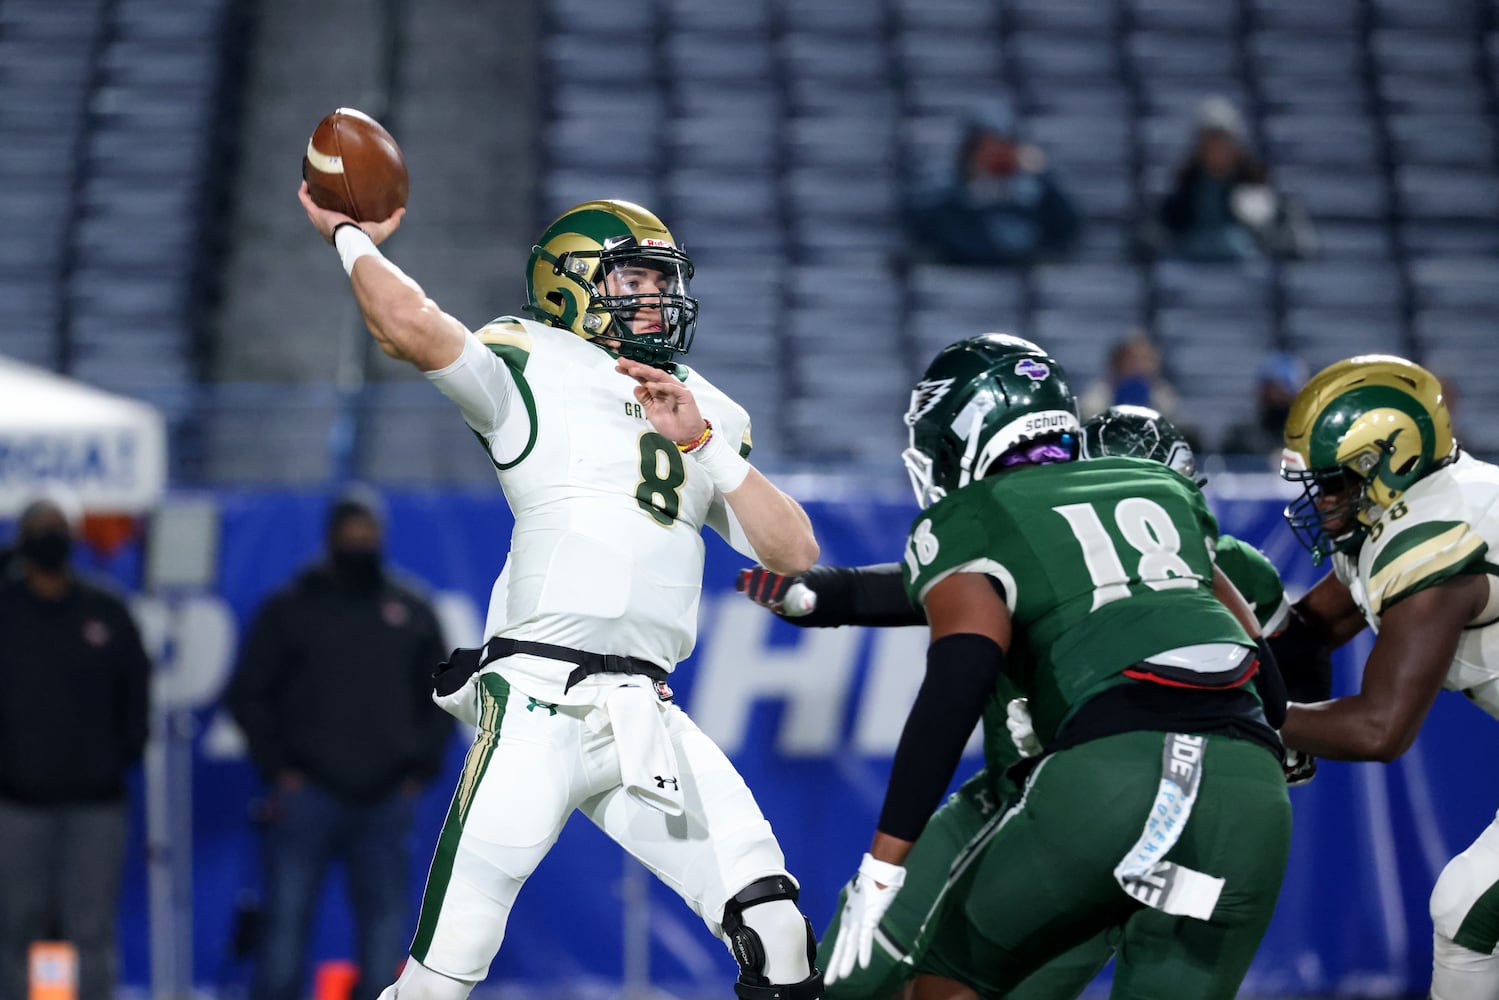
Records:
x=1322, y=336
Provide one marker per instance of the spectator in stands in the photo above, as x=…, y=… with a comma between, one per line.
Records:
x=333, y=692
x=74, y=696
x=1221, y=206
x=1281, y=377
x=998, y=204
x=1134, y=378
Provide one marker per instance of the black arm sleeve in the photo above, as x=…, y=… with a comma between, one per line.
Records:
x=1271, y=686
x=1305, y=657
x=859, y=595
x=960, y=675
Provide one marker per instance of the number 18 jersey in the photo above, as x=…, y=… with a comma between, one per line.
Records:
x=1102, y=564
x=607, y=551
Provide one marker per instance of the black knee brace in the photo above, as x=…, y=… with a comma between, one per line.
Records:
x=749, y=952
x=808, y=989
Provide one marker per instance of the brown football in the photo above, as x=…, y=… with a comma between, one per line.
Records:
x=353, y=166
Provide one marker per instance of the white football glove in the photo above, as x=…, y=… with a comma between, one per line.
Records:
x=462, y=704
x=1022, y=732
x=870, y=894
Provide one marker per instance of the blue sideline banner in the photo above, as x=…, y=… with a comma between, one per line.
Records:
x=811, y=718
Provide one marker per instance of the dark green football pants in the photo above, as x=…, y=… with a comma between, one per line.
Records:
x=1044, y=881
x=907, y=929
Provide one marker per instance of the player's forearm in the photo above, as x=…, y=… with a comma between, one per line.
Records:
x=1417, y=641
x=1328, y=609
x=960, y=676
x=859, y=595
x=1351, y=728
x=406, y=324
x=776, y=526
x=891, y=850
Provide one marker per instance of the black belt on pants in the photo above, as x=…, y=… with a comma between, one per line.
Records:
x=588, y=664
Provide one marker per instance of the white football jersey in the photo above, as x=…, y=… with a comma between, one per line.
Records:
x=607, y=551
x=1446, y=524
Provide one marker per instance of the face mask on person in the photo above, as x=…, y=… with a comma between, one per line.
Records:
x=359, y=568
x=47, y=550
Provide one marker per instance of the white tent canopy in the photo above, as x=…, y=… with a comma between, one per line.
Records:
x=109, y=451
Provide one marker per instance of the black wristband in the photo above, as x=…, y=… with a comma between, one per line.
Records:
x=960, y=674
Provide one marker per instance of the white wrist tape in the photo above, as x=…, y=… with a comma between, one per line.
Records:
x=353, y=243
x=883, y=872
x=725, y=466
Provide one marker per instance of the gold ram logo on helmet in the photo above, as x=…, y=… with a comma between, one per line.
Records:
x=1371, y=427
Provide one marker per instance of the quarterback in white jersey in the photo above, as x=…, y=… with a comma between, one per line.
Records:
x=607, y=552
x=1409, y=521
x=612, y=456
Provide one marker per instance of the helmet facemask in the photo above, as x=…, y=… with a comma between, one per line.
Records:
x=1140, y=432
x=1337, y=496
x=920, y=468
x=629, y=282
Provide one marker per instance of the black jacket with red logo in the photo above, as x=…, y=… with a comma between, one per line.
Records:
x=335, y=683
x=74, y=695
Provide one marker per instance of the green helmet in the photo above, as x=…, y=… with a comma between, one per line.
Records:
x=1361, y=433
x=978, y=405
x=1139, y=432
x=602, y=265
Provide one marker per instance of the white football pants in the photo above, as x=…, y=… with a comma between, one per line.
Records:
x=532, y=764
x=1465, y=915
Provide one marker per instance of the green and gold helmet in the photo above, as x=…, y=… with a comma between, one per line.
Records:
x=1360, y=434
x=1139, y=432
x=610, y=271
x=986, y=404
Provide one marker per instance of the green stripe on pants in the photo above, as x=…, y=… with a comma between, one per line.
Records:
x=1479, y=930
x=494, y=691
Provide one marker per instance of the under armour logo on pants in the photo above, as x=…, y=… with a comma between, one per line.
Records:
x=662, y=783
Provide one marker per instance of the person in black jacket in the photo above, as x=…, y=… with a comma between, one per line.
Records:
x=333, y=692
x=74, y=691
x=1222, y=206
x=998, y=204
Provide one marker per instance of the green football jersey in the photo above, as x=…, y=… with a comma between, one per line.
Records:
x=1102, y=563
x=1255, y=577
x=1244, y=565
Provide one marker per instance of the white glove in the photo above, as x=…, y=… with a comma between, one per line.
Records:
x=462, y=704
x=1022, y=732
x=870, y=894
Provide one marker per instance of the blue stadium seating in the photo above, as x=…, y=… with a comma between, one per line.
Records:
x=776, y=137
